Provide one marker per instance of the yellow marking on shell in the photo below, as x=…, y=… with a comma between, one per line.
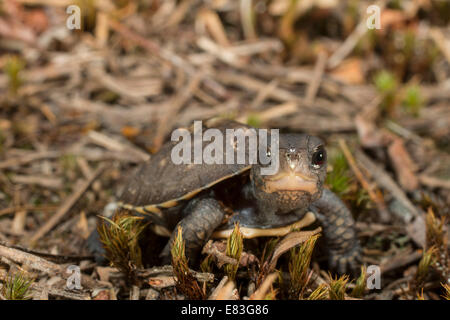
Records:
x=125, y=206
x=168, y=204
x=160, y=230
x=140, y=210
x=146, y=210
x=250, y=233
x=152, y=209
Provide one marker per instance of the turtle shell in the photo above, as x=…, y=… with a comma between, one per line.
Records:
x=161, y=184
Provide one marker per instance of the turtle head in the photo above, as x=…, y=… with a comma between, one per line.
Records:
x=300, y=176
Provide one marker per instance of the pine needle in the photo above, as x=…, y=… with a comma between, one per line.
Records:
x=434, y=230
x=235, y=246
x=360, y=285
x=17, y=286
x=298, y=267
x=436, y=237
x=120, y=238
x=186, y=282
x=320, y=293
x=207, y=264
x=420, y=295
x=336, y=290
x=423, y=270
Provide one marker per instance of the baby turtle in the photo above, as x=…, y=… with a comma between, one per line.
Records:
x=206, y=200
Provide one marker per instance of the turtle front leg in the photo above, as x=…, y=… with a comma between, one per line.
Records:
x=201, y=217
x=339, y=232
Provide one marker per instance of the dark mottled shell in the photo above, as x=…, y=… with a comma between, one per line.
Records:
x=160, y=183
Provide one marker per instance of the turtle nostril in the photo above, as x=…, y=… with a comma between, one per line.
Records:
x=291, y=160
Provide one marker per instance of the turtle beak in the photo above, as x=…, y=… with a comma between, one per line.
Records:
x=291, y=176
x=292, y=163
x=290, y=181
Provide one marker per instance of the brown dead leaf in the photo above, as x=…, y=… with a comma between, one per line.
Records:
x=82, y=226
x=36, y=19
x=102, y=295
x=350, y=71
x=219, y=287
x=228, y=292
x=17, y=31
x=291, y=240
x=130, y=132
x=369, y=134
x=18, y=223
x=392, y=18
x=5, y=124
x=213, y=24
x=403, y=165
x=264, y=287
x=13, y=24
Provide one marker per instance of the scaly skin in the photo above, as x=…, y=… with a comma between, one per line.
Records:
x=203, y=216
x=344, y=252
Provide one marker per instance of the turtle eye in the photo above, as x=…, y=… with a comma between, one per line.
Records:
x=319, y=157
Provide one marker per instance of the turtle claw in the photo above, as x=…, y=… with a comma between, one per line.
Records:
x=203, y=215
x=346, y=262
